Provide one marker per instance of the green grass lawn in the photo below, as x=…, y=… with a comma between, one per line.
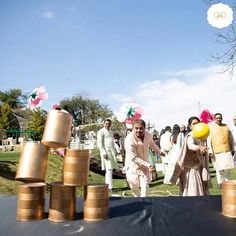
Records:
x=8, y=184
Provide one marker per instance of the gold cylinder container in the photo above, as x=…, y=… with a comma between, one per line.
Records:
x=62, y=202
x=229, y=198
x=96, y=202
x=33, y=162
x=57, y=130
x=31, y=201
x=76, y=167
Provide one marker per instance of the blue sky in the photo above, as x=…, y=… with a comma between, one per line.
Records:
x=116, y=51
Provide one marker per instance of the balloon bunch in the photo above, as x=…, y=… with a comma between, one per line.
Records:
x=129, y=112
x=206, y=117
x=36, y=97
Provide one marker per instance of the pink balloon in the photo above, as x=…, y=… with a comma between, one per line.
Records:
x=43, y=96
x=139, y=110
x=129, y=120
x=36, y=101
x=136, y=116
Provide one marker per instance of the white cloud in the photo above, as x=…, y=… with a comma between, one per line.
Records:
x=200, y=71
x=119, y=97
x=49, y=14
x=176, y=98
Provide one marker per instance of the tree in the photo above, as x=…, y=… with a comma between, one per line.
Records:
x=227, y=58
x=23, y=116
x=37, y=123
x=85, y=111
x=14, y=97
x=7, y=119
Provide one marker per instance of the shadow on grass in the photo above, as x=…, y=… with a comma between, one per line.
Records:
x=121, y=189
x=6, y=171
x=156, y=183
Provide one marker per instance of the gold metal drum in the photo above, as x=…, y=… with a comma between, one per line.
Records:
x=57, y=130
x=33, y=163
x=62, y=202
x=30, y=204
x=76, y=167
x=96, y=202
x=229, y=198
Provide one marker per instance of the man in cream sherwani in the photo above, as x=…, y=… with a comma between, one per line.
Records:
x=221, y=149
x=137, y=166
x=105, y=143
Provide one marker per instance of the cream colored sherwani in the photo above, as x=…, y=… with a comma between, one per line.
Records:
x=136, y=157
x=221, y=144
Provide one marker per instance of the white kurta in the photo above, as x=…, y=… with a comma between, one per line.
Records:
x=165, y=143
x=106, y=146
x=172, y=158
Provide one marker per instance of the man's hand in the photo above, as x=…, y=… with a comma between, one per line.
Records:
x=151, y=168
x=162, y=154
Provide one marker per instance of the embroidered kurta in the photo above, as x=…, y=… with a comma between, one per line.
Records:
x=106, y=146
x=136, y=157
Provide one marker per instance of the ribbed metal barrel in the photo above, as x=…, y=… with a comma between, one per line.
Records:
x=62, y=202
x=30, y=204
x=229, y=198
x=76, y=167
x=57, y=130
x=33, y=162
x=96, y=202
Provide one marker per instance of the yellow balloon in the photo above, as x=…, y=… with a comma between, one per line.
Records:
x=201, y=131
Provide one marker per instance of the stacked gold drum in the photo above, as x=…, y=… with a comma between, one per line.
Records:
x=96, y=202
x=30, y=205
x=229, y=198
x=33, y=163
x=57, y=129
x=32, y=172
x=62, y=202
x=76, y=167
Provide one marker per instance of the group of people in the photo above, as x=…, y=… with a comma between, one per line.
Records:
x=185, y=158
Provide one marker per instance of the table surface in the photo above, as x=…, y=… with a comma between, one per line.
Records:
x=129, y=216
